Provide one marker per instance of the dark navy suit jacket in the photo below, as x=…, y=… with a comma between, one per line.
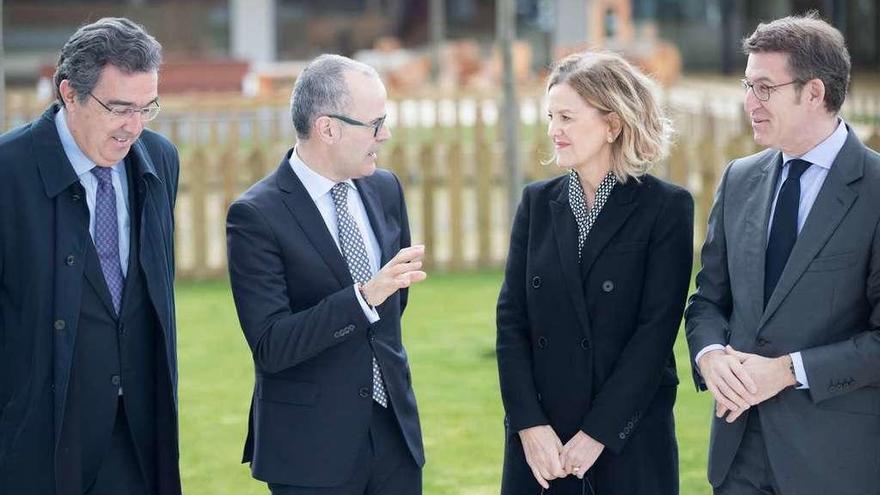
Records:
x=41, y=280
x=310, y=339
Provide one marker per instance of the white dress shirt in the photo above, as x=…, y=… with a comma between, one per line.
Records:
x=319, y=188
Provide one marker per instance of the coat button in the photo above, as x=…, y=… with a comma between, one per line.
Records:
x=542, y=342
x=608, y=286
x=75, y=196
x=70, y=260
x=536, y=282
x=761, y=342
x=59, y=324
x=585, y=344
x=364, y=392
x=114, y=379
x=621, y=436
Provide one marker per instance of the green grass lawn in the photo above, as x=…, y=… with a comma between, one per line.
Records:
x=449, y=333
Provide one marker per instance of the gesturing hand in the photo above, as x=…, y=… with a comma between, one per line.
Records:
x=400, y=272
x=542, y=448
x=580, y=453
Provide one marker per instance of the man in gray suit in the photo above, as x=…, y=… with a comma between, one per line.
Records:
x=783, y=327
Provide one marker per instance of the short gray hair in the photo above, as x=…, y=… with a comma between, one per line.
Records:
x=114, y=41
x=321, y=89
x=815, y=49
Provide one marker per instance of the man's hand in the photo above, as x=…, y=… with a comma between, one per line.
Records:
x=771, y=374
x=729, y=382
x=542, y=448
x=580, y=453
x=402, y=271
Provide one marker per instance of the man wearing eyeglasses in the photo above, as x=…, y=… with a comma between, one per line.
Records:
x=320, y=263
x=87, y=333
x=783, y=327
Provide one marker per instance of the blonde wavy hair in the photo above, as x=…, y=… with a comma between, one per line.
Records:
x=612, y=85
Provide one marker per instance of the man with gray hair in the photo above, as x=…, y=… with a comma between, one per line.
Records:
x=784, y=328
x=320, y=262
x=88, y=371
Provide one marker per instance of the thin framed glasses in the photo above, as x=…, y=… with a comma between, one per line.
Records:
x=763, y=91
x=146, y=113
x=376, y=124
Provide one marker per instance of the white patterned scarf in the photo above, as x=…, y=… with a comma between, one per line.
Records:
x=584, y=215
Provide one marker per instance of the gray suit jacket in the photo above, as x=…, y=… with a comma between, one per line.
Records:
x=825, y=439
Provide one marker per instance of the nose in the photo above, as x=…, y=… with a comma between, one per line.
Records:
x=134, y=123
x=384, y=133
x=552, y=128
x=750, y=101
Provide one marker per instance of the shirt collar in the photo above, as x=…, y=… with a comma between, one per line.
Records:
x=81, y=163
x=824, y=153
x=316, y=184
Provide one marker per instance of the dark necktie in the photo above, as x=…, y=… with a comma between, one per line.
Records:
x=351, y=242
x=107, y=234
x=783, y=231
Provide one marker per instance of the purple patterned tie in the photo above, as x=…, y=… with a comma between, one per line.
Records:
x=107, y=234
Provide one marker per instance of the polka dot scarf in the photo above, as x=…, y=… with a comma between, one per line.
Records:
x=584, y=215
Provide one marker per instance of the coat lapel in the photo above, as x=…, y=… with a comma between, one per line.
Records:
x=754, y=235
x=617, y=209
x=565, y=231
x=833, y=202
x=304, y=210
x=373, y=204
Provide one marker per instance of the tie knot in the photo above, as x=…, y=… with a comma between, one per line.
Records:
x=340, y=195
x=797, y=167
x=104, y=174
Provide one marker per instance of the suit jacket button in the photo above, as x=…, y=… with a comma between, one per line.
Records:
x=585, y=344
x=621, y=436
x=542, y=342
x=536, y=282
x=350, y=328
x=608, y=286
x=364, y=392
x=59, y=324
x=114, y=379
x=761, y=342
x=70, y=260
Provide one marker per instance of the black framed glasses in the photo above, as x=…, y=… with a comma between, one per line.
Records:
x=763, y=91
x=375, y=124
x=146, y=113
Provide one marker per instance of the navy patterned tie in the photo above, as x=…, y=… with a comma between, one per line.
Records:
x=783, y=231
x=107, y=234
x=351, y=242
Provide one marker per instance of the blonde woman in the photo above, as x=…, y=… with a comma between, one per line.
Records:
x=595, y=285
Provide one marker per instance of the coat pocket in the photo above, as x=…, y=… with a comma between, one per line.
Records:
x=286, y=391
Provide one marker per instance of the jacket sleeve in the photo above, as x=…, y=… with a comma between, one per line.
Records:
x=842, y=367
x=636, y=376
x=513, y=346
x=708, y=311
x=405, y=240
x=278, y=337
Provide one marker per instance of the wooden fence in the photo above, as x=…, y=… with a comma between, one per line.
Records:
x=446, y=152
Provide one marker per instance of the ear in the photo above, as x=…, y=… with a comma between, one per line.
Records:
x=326, y=130
x=68, y=94
x=815, y=93
x=614, y=124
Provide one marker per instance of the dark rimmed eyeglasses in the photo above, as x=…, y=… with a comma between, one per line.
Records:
x=146, y=113
x=763, y=91
x=375, y=124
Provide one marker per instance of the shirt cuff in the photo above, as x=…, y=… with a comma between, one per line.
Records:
x=704, y=350
x=371, y=313
x=800, y=374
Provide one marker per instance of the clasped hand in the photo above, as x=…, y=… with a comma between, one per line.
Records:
x=739, y=380
x=549, y=459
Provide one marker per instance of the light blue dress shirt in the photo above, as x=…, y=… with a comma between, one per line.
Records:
x=318, y=188
x=822, y=157
x=83, y=166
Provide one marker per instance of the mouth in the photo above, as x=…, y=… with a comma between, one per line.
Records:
x=560, y=145
x=123, y=140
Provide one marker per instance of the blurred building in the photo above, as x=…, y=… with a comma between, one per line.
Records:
x=706, y=32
